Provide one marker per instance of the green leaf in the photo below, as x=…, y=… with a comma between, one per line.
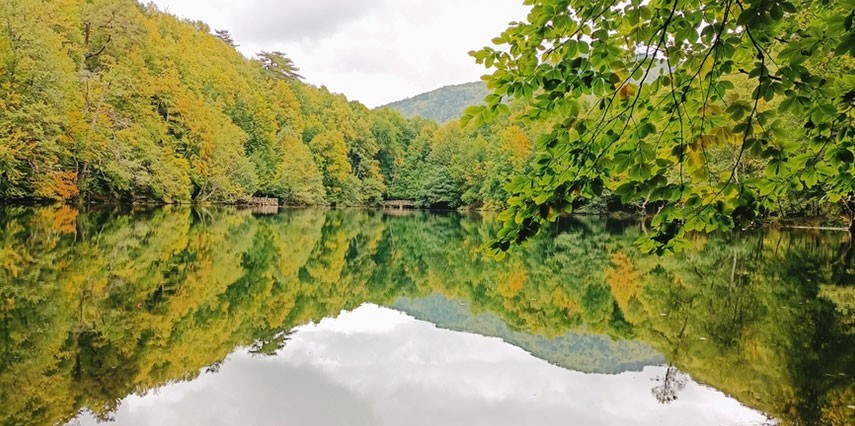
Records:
x=625, y=189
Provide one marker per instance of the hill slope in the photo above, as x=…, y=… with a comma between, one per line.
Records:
x=443, y=104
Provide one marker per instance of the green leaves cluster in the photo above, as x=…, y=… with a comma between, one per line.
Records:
x=706, y=114
x=453, y=167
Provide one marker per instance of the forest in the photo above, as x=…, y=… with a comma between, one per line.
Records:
x=113, y=100
x=116, y=101
x=444, y=104
x=708, y=118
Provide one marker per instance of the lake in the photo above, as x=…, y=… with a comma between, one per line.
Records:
x=358, y=317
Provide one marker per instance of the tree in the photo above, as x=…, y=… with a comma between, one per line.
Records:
x=660, y=77
x=226, y=37
x=330, y=152
x=279, y=64
x=36, y=91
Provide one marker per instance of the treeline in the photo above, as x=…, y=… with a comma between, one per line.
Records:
x=115, y=100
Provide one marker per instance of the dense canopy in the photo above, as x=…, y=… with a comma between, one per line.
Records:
x=115, y=100
x=707, y=114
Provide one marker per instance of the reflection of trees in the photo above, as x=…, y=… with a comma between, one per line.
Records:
x=270, y=342
x=105, y=303
x=757, y=327
x=673, y=381
x=669, y=385
x=215, y=367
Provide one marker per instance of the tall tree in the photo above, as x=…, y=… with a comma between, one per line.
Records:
x=226, y=37
x=279, y=64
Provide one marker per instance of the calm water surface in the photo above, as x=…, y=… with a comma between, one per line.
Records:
x=223, y=316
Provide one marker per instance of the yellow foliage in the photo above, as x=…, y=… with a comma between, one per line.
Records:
x=516, y=145
x=561, y=299
x=512, y=281
x=65, y=219
x=623, y=279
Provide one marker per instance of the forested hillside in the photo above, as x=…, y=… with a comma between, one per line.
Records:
x=444, y=104
x=115, y=100
x=112, y=100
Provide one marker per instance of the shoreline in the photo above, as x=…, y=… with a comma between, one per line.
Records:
x=801, y=223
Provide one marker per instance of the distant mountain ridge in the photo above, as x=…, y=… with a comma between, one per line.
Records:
x=444, y=104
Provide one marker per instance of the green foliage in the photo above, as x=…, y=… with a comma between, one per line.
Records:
x=36, y=90
x=279, y=65
x=109, y=99
x=454, y=167
x=444, y=104
x=645, y=103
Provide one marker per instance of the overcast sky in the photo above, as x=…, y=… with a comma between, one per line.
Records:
x=377, y=366
x=374, y=51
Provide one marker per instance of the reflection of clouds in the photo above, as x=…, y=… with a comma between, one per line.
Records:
x=378, y=366
x=249, y=391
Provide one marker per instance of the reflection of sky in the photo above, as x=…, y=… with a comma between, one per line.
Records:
x=376, y=366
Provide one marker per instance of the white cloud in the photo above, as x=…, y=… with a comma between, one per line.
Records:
x=376, y=366
x=374, y=51
x=298, y=20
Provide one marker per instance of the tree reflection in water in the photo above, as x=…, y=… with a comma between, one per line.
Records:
x=669, y=385
x=101, y=304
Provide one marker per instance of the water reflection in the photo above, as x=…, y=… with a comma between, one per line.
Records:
x=103, y=304
x=375, y=366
